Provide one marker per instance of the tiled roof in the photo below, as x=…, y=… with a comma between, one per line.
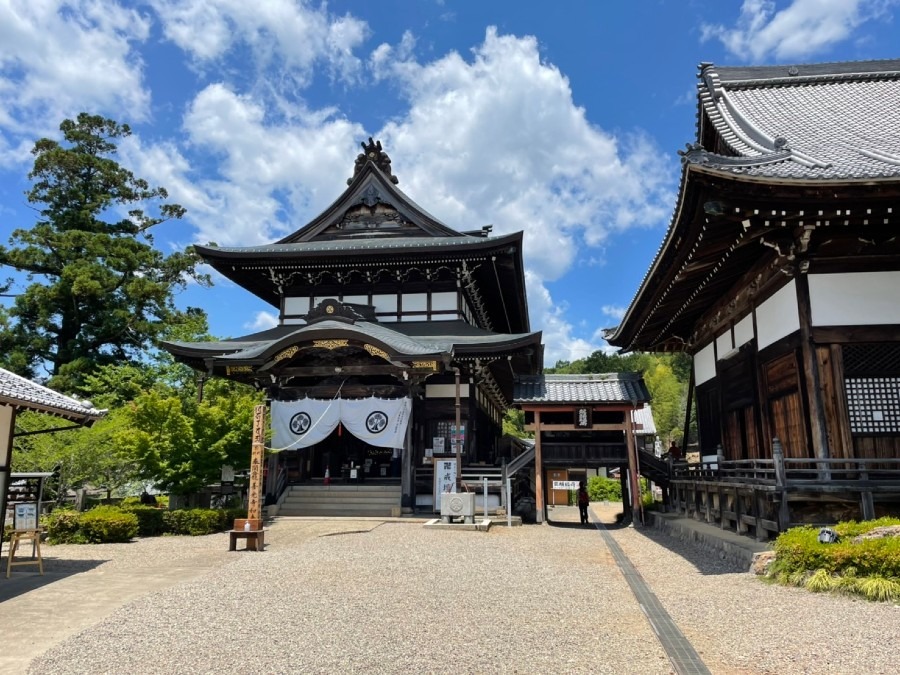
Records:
x=825, y=121
x=597, y=388
x=392, y=244
x=394, y=335
x=644, y=417
x=21, y=393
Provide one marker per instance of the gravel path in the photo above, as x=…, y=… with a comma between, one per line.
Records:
x=396, y=597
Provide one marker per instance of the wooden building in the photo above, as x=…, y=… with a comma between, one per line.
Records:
x=582, y=424
x=18, y=394
x=779, y=274
x=378, y=301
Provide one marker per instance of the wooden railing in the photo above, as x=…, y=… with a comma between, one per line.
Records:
x=758, y=492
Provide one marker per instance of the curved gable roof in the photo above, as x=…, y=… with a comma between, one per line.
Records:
x=835, y=121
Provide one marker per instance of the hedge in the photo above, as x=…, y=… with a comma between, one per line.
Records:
x=111, y=524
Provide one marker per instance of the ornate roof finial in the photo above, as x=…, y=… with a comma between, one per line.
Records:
x=372, y=152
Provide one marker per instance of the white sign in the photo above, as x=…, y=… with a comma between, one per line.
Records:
x=227, y=474
x=565, y=485
x=437, y=443
x=25, y=517
x=444, y=479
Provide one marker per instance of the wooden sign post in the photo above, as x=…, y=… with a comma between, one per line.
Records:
x=257, y=452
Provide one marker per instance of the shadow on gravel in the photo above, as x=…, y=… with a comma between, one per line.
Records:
x=26, y=579
x=707, y=562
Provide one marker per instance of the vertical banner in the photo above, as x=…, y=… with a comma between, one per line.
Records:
x=254, y=495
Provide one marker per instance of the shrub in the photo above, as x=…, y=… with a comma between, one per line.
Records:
x=107, y=525
x=195, y=522
x=63, y=527
x=870, y=568
x=150, y=519
x=604, y=489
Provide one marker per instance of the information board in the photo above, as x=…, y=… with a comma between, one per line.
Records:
x=25, y=517
x=444, y=479
x=565, y=485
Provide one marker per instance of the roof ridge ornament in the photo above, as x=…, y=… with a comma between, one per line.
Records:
x=372, y=152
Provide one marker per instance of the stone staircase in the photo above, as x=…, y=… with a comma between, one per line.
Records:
x=341, y=500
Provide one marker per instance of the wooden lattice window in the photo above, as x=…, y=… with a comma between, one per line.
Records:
x=872, y=382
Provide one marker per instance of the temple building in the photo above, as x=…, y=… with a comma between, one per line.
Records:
x=398, y=341
x=779, y=274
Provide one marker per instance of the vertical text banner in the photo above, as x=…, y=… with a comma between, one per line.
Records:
x=254, y=496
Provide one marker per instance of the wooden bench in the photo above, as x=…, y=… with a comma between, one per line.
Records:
x=255, y=536
x=25, y=535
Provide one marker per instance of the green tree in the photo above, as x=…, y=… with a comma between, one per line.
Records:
x=99, y=292
x=81, y=457
x=181, y=444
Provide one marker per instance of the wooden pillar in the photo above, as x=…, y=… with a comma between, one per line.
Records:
x=257, y=453
x=538, y=469
x=687, y=413
x=812, y=378
x=407, y=470
x=7, y=429
x=626, y=502
x=633, y=466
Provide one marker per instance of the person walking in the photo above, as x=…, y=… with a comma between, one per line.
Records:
x=583, y=501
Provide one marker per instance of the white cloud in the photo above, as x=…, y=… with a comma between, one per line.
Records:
x=62, y=57
x=802, y=29
x=614, y=312
x=499, y=140
x=285, y=35
x=262, y=321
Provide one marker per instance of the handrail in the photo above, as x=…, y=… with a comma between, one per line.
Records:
x=798, y=471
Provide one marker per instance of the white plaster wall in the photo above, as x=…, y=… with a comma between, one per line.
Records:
x=446, y=390
x=385, y=303
x=705, y=364
x=356, y=299
x=777, y=317
x=296, y=306
x=415, y=302
x=723, y=344
x=855, y=299
x=743, y=331
x=443, y=301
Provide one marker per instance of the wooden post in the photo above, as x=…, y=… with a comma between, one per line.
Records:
x=633, y=467
x=257, y=452
x=455, y=437
x=867, y=503
x=687, y=413
x=784, y=514
x=812, y=378
x=538, y=470
x=7, y=430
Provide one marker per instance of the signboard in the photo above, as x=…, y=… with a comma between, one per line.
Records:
x=583, y=418
x=227, y=474
x=565, y=485
x=444, y=479
x=438, y=444
x=25, y=517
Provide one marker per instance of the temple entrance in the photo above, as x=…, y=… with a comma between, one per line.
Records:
x=350, y=459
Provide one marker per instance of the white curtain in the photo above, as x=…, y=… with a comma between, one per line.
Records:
x=377, y=421
x=299, y=424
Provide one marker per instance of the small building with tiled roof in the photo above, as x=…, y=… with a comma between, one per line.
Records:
x=17, y=394
x=582, y=424
x=779, y=275
x=378, y=301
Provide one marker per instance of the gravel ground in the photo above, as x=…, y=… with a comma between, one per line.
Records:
x=397, y=597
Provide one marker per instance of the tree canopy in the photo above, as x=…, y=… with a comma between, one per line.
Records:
x=98, y=291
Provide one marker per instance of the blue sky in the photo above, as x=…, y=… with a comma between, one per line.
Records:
x=559, y=119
